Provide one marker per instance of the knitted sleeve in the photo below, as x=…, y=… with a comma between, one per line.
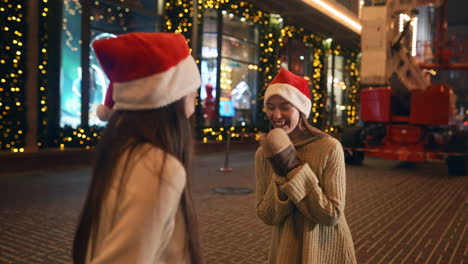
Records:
x=322, y=202
x=270, y=209
x=145, y=214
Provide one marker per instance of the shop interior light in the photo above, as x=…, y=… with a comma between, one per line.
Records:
x=414, y=37
x=403, y=19
x=331, y=10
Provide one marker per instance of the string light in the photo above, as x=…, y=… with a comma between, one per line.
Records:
x=178, y=18
x=12, y=82
x=67, y=136
x=352, y=111
x=71, y=11
x=316, y=82
x=43, y=140
x=268, y=64
x=352, y=87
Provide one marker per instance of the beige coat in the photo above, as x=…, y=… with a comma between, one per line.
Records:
x=310, y=226
x=141, y=219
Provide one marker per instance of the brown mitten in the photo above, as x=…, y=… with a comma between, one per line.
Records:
x=278, y=149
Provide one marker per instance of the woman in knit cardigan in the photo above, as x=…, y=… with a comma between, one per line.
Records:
x=139, y=208
x=301, y=181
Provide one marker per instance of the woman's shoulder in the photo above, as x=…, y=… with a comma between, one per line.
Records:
x=155, y=164
x=331, y=141
x=259, y=151
x=150, y=151
x=159, y=156
x=324, y=144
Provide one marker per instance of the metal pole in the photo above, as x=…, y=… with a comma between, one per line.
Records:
x=32, y=52
x=226, y=167
x=85, y=74
x=194, y=40
x=219, y=46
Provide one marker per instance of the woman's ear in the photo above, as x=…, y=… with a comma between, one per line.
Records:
x=300, y=124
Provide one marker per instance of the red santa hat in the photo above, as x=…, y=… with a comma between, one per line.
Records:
x=292, y=88
x=146, y=71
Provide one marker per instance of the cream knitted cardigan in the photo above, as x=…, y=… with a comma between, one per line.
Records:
x=310, y=226
x=141, y=218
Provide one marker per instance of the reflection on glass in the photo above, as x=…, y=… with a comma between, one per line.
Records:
x=238, y=87
x=292, y=56
x=239, y=50
x=110, y=17
x=98, y=81
x=297, y=52
x=209, y=68
x=210, y=21
x=208, y=91
x=210, y=44
x=336, y=87
x=149, y=5
x=107, y=18
x=238, y=71
x=242, y=30
x=70, y=71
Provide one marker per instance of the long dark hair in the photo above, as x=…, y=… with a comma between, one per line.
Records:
x=166, y=128
x=305, y=125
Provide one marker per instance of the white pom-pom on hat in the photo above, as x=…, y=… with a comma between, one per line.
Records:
x=104, y=112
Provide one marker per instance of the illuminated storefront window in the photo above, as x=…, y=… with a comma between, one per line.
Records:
x=209, y=68
x=98, y=81
x=293, y=56
x=106, y=19
x=70, y=72
x=298, y=57
x=336, y=87
x=236, y=89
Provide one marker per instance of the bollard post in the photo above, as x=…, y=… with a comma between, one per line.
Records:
x=226, y=167
x=228, y=189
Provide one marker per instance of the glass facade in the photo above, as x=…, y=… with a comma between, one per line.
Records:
x=209, y=68
x=293, y=56
x=236, y=45
x=299, y=58
x=106, y=19
x=70, y=71
x=238, y=56
x=229, y=71
x=336, y=89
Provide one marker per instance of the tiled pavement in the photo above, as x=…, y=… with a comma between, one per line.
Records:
x=396, y=214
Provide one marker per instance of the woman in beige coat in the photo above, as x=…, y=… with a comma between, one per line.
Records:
x=139, y=207
x=301, y=181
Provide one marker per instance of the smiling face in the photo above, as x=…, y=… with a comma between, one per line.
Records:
x=282, y=114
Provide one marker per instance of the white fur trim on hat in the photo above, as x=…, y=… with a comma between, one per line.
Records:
x=160, y=89
x=104, y=112
x=291, y=94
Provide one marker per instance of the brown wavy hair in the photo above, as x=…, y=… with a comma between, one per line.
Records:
x=166, y=128
x=304, y=125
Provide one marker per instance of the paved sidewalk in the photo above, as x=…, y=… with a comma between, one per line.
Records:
x=396, y=214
